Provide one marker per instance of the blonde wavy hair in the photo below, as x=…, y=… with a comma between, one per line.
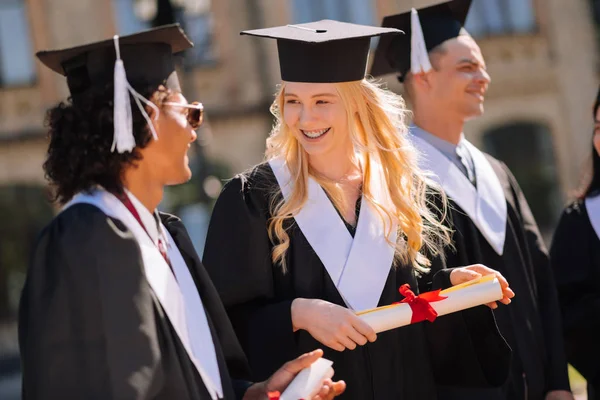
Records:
x=378, y=131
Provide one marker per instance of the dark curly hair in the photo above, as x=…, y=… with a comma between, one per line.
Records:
x=81, y=136
x=592, y=187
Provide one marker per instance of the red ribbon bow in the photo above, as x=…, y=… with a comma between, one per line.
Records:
x=275, y=396
x=419, y=305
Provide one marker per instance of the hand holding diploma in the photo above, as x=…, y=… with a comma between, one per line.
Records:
x=476, y=271
x=339, y=328
x=488, y=287
x=306, y=377
x=334, y=326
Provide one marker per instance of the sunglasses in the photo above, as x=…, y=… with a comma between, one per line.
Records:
x=195, y=112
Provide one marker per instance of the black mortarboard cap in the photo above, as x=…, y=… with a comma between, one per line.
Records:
x=324, y=51
x=439, y=23
x=147, y=56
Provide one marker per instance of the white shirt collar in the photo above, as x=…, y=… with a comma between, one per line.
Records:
x=485, y=204
x=149, y=220
x=592, y=204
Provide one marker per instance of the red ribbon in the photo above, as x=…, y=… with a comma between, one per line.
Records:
x=421, y=309
x=275, y=396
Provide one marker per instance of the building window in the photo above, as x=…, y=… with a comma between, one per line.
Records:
x=194, y=16
x=533, y=165
x=355, y=11
x=500, y=17
x=596, y=10
x=17, y=66
x=132, y=16
x=197, y=21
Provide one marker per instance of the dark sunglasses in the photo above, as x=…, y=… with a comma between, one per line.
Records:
x=195, y=112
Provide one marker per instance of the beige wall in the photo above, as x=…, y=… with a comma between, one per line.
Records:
x=53, y=24
x=548, y=77
x=21, y=161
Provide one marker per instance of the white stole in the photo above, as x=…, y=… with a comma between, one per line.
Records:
x=178, y=295
x=592, y=204
x=359, y=266
x=485, y=205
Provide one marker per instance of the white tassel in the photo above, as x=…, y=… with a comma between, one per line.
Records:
x=419, y=59
x=123, y=139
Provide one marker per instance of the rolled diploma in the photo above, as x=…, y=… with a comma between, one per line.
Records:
x=460, y=297
x=308, y=381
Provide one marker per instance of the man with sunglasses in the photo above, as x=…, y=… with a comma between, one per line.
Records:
x=117, y=304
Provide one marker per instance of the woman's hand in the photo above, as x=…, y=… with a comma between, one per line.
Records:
x=334, y=326
x=468, y=273
x=281, y=379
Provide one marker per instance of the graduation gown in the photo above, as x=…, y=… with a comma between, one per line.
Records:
x=90, y=326
x=258, y=297
x=531, y=324
x=575, y=259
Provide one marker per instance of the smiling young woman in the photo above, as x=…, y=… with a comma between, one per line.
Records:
x=335, y=221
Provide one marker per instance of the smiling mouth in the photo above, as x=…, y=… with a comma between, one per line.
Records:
x=315, y=134
x=478, y=95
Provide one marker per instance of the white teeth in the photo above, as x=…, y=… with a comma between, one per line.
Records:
x=314, y=134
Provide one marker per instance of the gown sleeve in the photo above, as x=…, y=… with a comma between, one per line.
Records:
x=556, y=366
x=86, y=317
x=578, y=290
x=237, y=257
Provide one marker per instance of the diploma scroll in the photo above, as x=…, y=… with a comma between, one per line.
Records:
x=308, y=382
x=460, y=297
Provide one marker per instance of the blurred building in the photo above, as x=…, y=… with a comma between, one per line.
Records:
x=541, y=54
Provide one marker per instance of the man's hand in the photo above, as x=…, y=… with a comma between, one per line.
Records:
x=559, y=395
x=281, y=379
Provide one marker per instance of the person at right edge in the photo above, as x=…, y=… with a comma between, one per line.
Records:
x=575, y=259
x=445, y=78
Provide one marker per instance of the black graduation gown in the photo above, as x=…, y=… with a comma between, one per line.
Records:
x=90, y=327
x=258, y=297
x=531, y=323
x=575, y=259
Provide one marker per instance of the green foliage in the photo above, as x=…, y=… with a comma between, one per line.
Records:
x=24, y=211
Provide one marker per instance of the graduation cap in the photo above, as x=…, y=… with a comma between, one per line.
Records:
x=131, y=63
x=324, y=51
x=426, y=29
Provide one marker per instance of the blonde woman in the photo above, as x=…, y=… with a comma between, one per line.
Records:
x=334, y=222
